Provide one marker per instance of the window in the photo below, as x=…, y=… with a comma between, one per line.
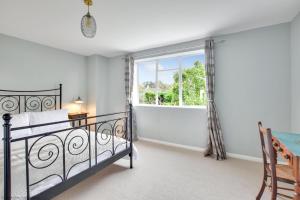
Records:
x=174, y=80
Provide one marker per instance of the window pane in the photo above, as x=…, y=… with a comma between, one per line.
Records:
x=168, y=63
x=193, y=80
x=146, y=82
x=168, y=93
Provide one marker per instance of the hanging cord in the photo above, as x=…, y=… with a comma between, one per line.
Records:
x=88, y=3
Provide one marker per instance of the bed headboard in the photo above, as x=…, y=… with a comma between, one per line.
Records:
x=14, y=102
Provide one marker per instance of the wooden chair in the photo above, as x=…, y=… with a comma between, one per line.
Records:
x=276, y=172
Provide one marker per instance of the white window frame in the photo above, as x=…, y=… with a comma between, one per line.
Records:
x=179, y=57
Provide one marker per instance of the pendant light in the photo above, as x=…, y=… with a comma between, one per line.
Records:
x=88, y=22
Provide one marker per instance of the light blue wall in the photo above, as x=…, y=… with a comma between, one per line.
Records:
x=97, y=84
x=186, y=126
x=26, y=65
x=116, y=86
x=295, y=73
x=252, y=84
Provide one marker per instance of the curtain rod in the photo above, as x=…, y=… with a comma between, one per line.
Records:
x=169, y=51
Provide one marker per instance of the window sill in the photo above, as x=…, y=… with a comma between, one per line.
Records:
x=172, y=107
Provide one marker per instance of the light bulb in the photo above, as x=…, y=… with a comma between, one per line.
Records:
x=88, y=22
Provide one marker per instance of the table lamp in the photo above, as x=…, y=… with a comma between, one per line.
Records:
x=79, y=101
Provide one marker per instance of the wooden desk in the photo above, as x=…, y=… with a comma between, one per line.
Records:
x=288, y=145
x=78, y=116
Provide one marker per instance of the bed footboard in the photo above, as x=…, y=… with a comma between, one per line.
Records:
x=76, y=152
x=7, y=157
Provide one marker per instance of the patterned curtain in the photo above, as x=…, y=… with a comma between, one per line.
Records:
x=216, y=142
x=129, y=74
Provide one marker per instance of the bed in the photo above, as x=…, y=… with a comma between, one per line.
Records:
x=42, y=155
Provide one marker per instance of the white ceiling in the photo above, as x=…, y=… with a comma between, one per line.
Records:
x=132, y=25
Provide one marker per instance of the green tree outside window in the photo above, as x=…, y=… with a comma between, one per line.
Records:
x=193, y=88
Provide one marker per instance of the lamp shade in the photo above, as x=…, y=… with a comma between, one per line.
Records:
x=78, y=101
x=88, y=26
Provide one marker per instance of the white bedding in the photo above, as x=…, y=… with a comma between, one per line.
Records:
x=18, y=159
x=17, y=120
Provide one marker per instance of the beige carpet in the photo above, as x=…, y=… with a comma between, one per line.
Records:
x=169, y=173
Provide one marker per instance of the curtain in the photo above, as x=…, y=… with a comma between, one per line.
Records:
x=216, y=141
x=129, y=75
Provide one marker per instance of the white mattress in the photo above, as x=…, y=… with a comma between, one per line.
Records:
x=104, y=151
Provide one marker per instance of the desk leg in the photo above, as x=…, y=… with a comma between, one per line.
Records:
x=297, y=176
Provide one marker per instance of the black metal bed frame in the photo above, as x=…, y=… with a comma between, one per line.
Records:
x=19, y=101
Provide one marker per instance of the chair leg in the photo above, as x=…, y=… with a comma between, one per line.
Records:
x=274, y=196
x=262, y=189
x=274, y=189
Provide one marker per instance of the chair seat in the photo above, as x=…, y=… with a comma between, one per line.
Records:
x=284, y=173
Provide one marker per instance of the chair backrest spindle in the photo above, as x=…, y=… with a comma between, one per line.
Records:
x=268, y=152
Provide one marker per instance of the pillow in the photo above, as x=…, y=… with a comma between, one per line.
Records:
x=17, y=120
x=48, y=117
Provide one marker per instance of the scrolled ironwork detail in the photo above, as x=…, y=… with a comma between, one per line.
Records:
x=9, y=104
x=46, y=154
x=120, y=131
x=105, y=151
x=73, y=166
x=33, y=103
x=48, y=102
x=119, y=128
x=104, y=133
x=77, y=144
x=45, y=178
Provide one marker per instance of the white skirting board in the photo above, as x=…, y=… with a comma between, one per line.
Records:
x=231, y=155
